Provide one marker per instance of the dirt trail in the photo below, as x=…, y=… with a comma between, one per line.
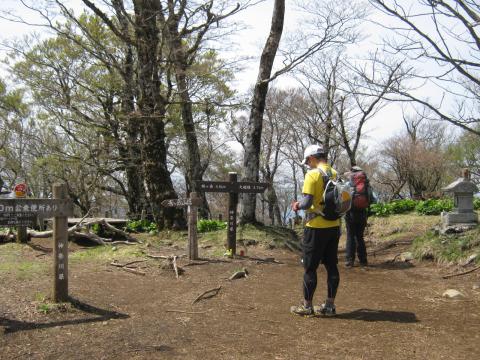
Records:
x=386, y=311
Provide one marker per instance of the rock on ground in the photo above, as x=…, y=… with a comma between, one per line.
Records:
x=453, y=294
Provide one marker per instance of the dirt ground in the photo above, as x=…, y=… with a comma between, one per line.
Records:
x=386, y=311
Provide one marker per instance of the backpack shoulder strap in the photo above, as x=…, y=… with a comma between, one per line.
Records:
x=324, y=173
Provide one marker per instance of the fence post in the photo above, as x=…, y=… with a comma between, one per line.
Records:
x=232, y=216
x=60, y=250
x=192, y=227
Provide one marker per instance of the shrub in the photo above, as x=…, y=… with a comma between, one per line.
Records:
x=393, y=207
x=205, y=225
x=380, y=209
x=476, y=203
x=434, y=206
x=141, y=226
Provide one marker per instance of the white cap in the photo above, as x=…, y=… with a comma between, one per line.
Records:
x=312, y=150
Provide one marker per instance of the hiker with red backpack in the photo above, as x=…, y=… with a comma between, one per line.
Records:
x=356, y=218
x=324, y=200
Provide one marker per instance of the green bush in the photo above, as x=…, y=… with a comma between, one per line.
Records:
x=476, y=203
x=205, y=225
x=426, y=207
x=434, y=206
x=380, y=209
x=141, y=226
x=393, y=207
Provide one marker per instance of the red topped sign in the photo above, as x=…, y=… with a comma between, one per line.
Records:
x=20, y=190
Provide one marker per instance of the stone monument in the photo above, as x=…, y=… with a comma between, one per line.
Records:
x=463, y=215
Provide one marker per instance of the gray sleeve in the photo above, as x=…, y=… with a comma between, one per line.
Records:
x=306, y=202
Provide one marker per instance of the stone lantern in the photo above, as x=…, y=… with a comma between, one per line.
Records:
x=463, y=214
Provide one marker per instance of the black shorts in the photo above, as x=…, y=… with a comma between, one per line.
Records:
x=320, y=245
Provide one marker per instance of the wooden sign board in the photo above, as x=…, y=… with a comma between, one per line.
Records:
x=17, y=219
x=182, y=202
x=216, y=186
x=251, y=187
x=235, y=187
x=44, y=208
x=192, y=202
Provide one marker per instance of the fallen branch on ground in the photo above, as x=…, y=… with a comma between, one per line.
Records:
x=172, y=261
x=129, y=269
x=194, y=263
x=186, y=312
x=74, y=232
x=462, y=273
x=169, y=257
x=124, y=243
x=260, y=260
x=138, y=272
x=7, y=236
x=239, y=274
x=206, y=261
x=394, y=258
x=389, y=244
x=293, y=246
x=212, y=292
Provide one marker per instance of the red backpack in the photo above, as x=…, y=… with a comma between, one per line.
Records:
x=359, y=183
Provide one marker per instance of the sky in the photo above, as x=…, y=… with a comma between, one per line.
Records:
x=249, y=43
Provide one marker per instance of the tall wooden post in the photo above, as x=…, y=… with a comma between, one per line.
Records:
x=232, y=215
x=60, y=250
x=22, y=237
x=22, y=234
x=192, y=227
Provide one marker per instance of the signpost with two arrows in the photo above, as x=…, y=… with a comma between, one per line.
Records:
x=233, y=187
x=193, y=202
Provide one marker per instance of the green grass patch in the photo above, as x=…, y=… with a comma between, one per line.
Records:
x=205, y=225
x=447, y=248
x=106, y=253
x=14, y=259
x=385, y=228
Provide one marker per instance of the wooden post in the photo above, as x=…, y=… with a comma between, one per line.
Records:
x=22, y=237
x=232, y=216
x=233, y=188
x=60, y=250
x=22, y=234
x=192, y=228
x=220, y=217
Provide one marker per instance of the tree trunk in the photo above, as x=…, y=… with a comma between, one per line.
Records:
x=152, y=108
x=131, y=156
x=195, y=170
x=251, y=159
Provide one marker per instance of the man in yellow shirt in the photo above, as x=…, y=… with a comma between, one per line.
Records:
x=320, y=240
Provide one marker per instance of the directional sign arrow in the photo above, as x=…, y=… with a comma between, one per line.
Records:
x=181, y=202
x=236, y=187
x=251, y=187
x=216, y=186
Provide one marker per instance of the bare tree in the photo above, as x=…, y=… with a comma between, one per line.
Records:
x=331, y=23
x=415, y=158
x=253, y=140
x=440, y=38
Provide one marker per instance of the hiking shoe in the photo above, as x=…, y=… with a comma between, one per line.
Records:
x=349, y=264
x=302, y=310
x=328, y=309
x=363, y=264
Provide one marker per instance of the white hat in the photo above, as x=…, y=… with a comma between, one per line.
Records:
x=312, y=150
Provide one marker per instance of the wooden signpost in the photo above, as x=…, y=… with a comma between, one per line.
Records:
x=20, y=191
x=233, y=188
x=193, y=202
x=24, y=212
